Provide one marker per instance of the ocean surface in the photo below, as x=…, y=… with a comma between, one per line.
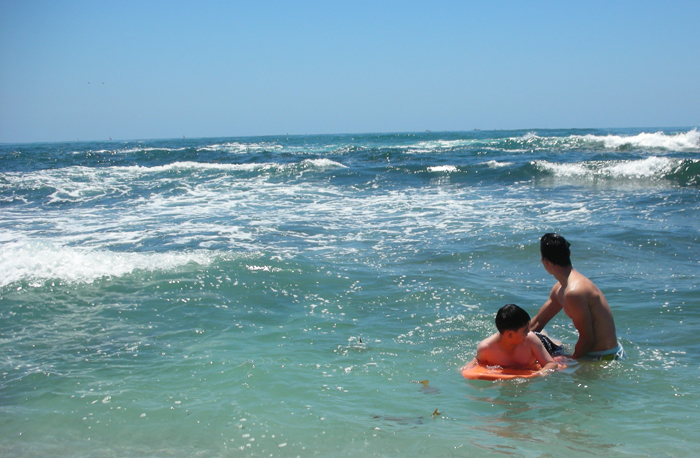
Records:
x=285, y=296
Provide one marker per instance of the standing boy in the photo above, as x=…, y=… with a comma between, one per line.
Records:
x=581, y=300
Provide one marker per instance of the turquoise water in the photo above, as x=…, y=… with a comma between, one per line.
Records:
x=283, y=296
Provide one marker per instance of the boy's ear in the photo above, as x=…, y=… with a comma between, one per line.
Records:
x=510, y=334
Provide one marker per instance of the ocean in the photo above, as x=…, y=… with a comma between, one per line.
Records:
x=316, y=295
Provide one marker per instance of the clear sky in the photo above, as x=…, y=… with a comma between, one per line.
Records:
x=91, y=70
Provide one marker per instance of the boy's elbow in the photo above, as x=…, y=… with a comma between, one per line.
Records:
x=536, y=326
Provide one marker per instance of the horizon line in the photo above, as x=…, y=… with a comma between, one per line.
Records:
x=427, y=131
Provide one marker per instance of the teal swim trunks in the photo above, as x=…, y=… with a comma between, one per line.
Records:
x=607, y=355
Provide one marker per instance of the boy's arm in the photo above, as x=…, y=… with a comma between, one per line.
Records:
x=481, y=352
x=546, y=313
x=480, y=356
x=470, y=364
x=475, y=361
x=541, y=353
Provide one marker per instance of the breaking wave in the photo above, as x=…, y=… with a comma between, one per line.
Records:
x=38, y=262
x=654, y=168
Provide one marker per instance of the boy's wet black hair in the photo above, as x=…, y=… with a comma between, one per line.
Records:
x=555, y=249
x=510, y=317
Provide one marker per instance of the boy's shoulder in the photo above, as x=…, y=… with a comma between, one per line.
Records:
x=487, y=342
x=536, y=345
x=532, y=338
x=487, y=347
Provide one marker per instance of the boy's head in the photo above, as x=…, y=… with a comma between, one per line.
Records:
x=510, y=317
x=555, y=249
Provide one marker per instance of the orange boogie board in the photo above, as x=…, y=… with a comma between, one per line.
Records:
x=492, y=373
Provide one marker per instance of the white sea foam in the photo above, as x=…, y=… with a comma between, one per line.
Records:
x=437, y=145
x=323, y=163
x=148, y=149
x=533, y=141
x=189, y=165
x=80, y=178
x=72, y=183
x=236, y=147
x=79, y=183
x=42, y=261
x=206, y=216
x=253, y=215
x=497, y=164
x=658, y=140
x=229, y=147
x=684, y=141
x=205, y=166
x=651, y=167
x=442, y=168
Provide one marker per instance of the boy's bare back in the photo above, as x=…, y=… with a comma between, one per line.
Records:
x=585, y=304
x=522, y=356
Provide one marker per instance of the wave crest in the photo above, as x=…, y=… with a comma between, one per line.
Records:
x=38, y=262
x=683, y=141
x=650, y=168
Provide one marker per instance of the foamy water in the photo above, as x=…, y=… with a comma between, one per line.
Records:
x=285, y=296
x=657, y=140
x=652, y=167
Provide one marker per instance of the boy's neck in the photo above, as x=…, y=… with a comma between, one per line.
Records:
x=562, y=274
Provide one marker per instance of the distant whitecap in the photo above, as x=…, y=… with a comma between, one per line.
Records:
x=442, y=168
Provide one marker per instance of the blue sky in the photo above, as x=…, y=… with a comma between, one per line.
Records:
x=91, y=70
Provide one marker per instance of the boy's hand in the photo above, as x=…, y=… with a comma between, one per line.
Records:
x=549, y=367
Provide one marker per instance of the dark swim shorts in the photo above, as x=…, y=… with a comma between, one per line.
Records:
x=551, y=347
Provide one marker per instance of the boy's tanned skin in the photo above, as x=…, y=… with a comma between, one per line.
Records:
x=524, y=351
x=581, y=300
x=514, y=348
